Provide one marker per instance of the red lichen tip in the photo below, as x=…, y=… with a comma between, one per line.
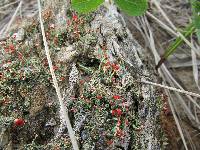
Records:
x=19, y=122
x=116, y=97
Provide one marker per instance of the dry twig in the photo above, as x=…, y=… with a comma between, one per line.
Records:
x=63, y=110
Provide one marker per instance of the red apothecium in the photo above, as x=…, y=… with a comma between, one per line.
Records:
x=19, y=122
x=116, y=97
x=119, y=112
x=115, y=67
x=99, y=97
x=75, y=17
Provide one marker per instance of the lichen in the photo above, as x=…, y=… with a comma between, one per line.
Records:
x=98, y=75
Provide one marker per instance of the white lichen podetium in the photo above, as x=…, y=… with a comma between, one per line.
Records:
x=112, y=9
x=107, y=3
x=73, y=77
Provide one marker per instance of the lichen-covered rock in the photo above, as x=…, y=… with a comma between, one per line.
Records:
x=19, y=35
x=66, y=54
x=38, y=100
x=98, y=66
x=114, y=37
x=5, y=139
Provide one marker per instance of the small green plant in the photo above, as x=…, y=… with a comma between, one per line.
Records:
x=188, y=31
x=196, y=16
x=179, y=41
x=130, y=7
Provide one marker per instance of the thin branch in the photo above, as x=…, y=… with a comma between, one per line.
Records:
x=164, y=69
x=176, y=120
x=172, y=89
x=164, y=14
x=63, y=110
x=174, y=27
x=7, y=5
x=162, y=24
x=165, y=74
x=195, y=67
x=12, y=19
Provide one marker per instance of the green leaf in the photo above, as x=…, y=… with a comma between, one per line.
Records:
x=196, y=16
x=198, y=34
x=86, y=6
x=132, y=7
x=172, y=48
